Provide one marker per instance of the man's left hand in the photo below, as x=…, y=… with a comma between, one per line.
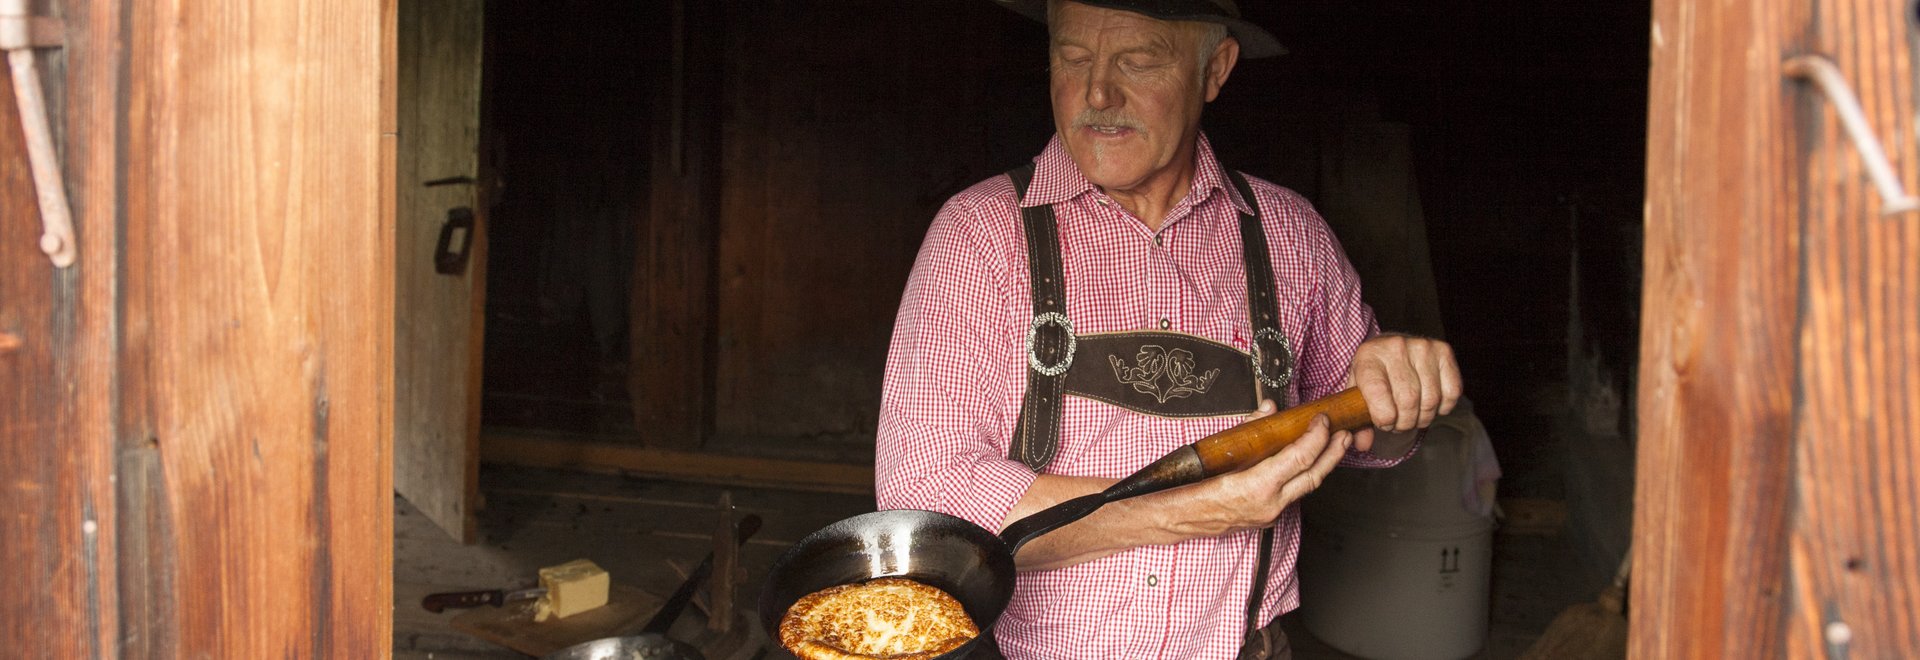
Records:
x=1407, y=381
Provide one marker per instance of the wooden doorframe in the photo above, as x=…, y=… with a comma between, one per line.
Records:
x=1777, y=400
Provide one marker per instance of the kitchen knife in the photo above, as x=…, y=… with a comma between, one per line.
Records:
x=495, y=597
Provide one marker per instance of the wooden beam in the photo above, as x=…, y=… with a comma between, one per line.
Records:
x=699, y=467
x=1717, y=342
x=258, y=328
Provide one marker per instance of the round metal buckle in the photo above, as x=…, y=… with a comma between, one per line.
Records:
x=1259, y=362
x=1033, y=359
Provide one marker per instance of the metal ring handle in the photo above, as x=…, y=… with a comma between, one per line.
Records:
x=1824, y=75
x=1033, y=359
x=1259, y=366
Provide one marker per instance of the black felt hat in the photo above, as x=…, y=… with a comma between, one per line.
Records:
x=1254, y=40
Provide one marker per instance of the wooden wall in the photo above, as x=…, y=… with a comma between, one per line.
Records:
x=1779, y=406
x=843, y=132
x=196, y=434
x=569, y=129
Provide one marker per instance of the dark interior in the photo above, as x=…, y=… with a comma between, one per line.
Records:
x=840, y=127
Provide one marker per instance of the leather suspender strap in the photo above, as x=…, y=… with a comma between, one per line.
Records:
x=1050, y=340
x=1272, y=356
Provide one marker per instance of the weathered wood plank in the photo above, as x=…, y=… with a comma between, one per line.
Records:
x=261, y=308
x=438, y=341
x=58, y=541
x=1717, y=341
x=1855, y=544
x=40, y=529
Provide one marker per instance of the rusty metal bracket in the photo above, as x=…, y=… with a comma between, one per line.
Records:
x=1824, y=75
x=19, y=35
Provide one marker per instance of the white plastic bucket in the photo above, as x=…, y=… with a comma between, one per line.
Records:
x=1393, y=566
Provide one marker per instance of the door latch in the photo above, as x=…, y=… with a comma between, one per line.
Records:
x=456, y=239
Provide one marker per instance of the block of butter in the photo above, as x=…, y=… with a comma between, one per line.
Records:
x=572, y=588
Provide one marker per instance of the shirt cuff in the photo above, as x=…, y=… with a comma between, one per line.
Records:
x=986, y=492
x=1368, y=459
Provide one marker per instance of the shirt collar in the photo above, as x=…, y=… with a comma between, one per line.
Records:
x=1057, y=179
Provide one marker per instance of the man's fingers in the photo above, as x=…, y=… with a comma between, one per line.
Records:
x=1406, y=390
x=1427, y=361
x=1374, y=387
x=1267, y=408
x=1363, y=439
x=1310, y=479
x=1450, y=390
x=1297, y=456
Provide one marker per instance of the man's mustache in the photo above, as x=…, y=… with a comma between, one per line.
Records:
x=1106, y=118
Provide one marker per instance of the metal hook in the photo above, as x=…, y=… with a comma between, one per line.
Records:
x=1826, y=76
x=56, y=219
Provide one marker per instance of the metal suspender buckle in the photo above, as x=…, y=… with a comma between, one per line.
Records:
x=1055, y=319
x=1283, y=358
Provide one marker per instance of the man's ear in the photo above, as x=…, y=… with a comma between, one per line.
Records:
x=1220, y=65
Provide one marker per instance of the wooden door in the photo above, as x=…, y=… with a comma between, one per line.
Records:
x=1779, y=400
x=439, y=290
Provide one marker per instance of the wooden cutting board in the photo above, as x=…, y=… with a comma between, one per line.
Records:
x=512, y=626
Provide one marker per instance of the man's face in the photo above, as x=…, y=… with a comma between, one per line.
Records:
x=1127, y=93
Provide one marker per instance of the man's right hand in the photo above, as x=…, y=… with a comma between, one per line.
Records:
x=1247, y=499
x=1255, y=497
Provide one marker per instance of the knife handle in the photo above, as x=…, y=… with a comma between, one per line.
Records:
x=457, y=599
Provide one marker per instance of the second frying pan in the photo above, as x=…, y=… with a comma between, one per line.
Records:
x=975, y=565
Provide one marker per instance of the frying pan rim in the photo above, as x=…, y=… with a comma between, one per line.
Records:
x=992, y=549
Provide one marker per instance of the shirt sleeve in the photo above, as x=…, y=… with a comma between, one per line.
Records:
x=942, y=438
x=1337, y=323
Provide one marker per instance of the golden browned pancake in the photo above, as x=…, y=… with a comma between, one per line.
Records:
x=883, y=619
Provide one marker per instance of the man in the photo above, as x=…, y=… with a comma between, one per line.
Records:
x=1123, y=296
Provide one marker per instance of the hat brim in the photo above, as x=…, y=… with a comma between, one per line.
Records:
x=1255, y=41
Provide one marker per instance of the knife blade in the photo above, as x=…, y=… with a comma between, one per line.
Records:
x=439, y=602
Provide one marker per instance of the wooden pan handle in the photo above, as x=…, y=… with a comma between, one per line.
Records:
x=1249, y=443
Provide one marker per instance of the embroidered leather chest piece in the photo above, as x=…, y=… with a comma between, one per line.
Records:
x=1154, y=372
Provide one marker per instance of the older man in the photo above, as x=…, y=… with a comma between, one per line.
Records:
x=1122, y=296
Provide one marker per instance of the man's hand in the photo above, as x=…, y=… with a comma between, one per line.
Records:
x=1407, y=381
x=1254, y=497
x=1247, y=499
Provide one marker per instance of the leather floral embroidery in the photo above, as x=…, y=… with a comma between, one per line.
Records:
x=1162, y=373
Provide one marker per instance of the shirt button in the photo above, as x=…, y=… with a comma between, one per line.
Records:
x=1164, y=324
x=1102, y=201
x=1153, y=581
x=1156, y=240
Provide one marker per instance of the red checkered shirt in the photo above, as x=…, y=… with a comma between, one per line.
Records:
x=956, y=371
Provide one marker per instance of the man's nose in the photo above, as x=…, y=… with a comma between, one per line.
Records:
x=1102, y=93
